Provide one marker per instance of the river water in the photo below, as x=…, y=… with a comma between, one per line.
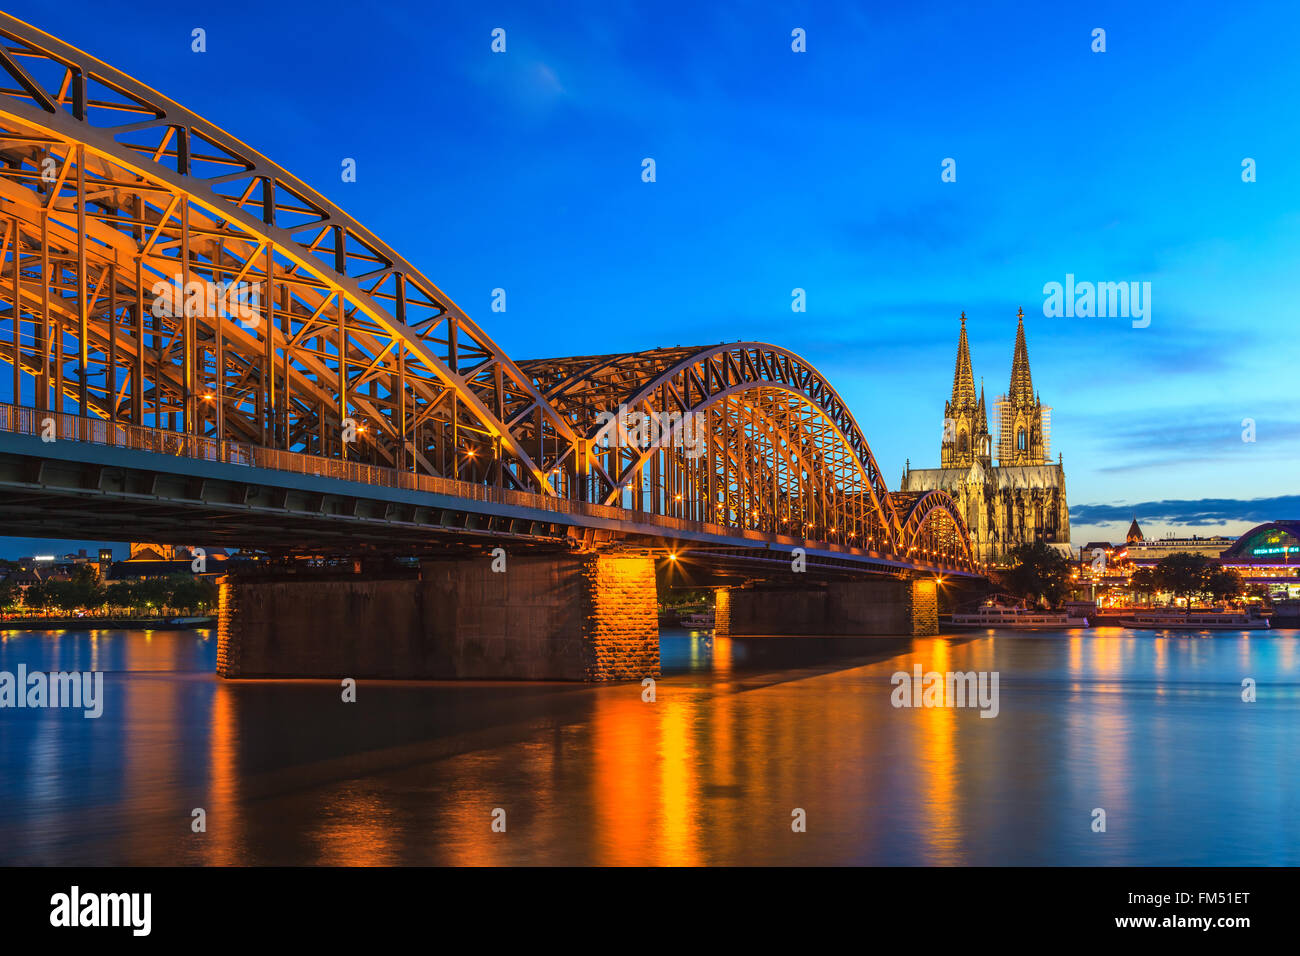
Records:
x=742, y=735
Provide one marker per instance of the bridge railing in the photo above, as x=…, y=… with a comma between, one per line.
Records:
x=62, y=426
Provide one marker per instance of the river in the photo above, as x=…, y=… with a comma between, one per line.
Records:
x=745, y=738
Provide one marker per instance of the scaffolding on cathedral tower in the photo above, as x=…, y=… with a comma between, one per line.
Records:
x=1004, y=424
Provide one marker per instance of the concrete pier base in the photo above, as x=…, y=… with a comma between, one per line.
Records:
x=884, y=607
x=586, y=617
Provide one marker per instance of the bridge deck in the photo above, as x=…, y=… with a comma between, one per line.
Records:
x=247, y=495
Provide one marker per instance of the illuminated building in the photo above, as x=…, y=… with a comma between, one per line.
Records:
x=1268, y=555
x=1019, y=500
x=1146, y=553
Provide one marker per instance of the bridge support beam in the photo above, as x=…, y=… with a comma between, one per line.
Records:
x=586, y=617
x=870, y=608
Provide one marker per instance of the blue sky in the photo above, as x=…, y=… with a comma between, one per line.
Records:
x=821, y=170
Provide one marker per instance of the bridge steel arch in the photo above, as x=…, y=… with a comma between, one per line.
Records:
x=932, y=524
x=109, y=188
x=782, y=452
x=115, y=200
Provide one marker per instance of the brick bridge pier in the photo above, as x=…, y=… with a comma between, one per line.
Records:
x=578, y=617
x=588, y=617
x=902, y=606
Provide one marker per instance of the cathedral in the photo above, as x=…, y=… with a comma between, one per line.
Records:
x=1021, y=498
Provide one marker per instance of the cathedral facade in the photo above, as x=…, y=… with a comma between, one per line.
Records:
x=1020, y=499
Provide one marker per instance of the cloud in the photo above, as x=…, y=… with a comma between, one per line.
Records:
x=1190, y=512
x=933, y=225
x=1190, y=435
x=546, y=81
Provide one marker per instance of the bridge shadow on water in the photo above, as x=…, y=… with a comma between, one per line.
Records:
x=767, y=659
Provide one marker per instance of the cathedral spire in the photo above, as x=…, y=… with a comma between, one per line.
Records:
x=1022, y=385
x=965, y=423
x=963, y=382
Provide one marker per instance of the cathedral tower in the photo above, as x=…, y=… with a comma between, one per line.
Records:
x=1024, y=423
x=965, y=422
x=1022, y=498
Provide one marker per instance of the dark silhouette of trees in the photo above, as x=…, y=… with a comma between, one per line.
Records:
x=1189, y=576
x=1039, y=573
x=179, y=592
x=1144, y=581
x=1225, y=584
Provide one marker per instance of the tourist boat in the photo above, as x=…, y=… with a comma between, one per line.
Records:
x=1017, y=618
x=702, y=619
x=1213, y=620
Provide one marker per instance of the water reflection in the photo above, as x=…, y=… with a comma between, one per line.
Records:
x=742, y=733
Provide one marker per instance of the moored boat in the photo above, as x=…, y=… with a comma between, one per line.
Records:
x=703, y=619
x=1016, y=618
x=1172, y=620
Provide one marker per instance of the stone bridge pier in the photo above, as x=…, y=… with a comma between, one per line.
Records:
x=898, y=606
x=582, y=617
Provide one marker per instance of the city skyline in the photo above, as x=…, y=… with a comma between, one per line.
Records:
x=822, y=171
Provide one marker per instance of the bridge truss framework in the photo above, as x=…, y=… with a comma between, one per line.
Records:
x=163, y=277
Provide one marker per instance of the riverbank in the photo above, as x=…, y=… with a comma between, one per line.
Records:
x=169, y=623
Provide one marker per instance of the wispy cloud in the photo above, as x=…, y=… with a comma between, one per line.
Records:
x=1198, y=434
x=1190, y=512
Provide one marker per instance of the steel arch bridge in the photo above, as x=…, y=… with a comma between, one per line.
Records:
x=163, y=278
